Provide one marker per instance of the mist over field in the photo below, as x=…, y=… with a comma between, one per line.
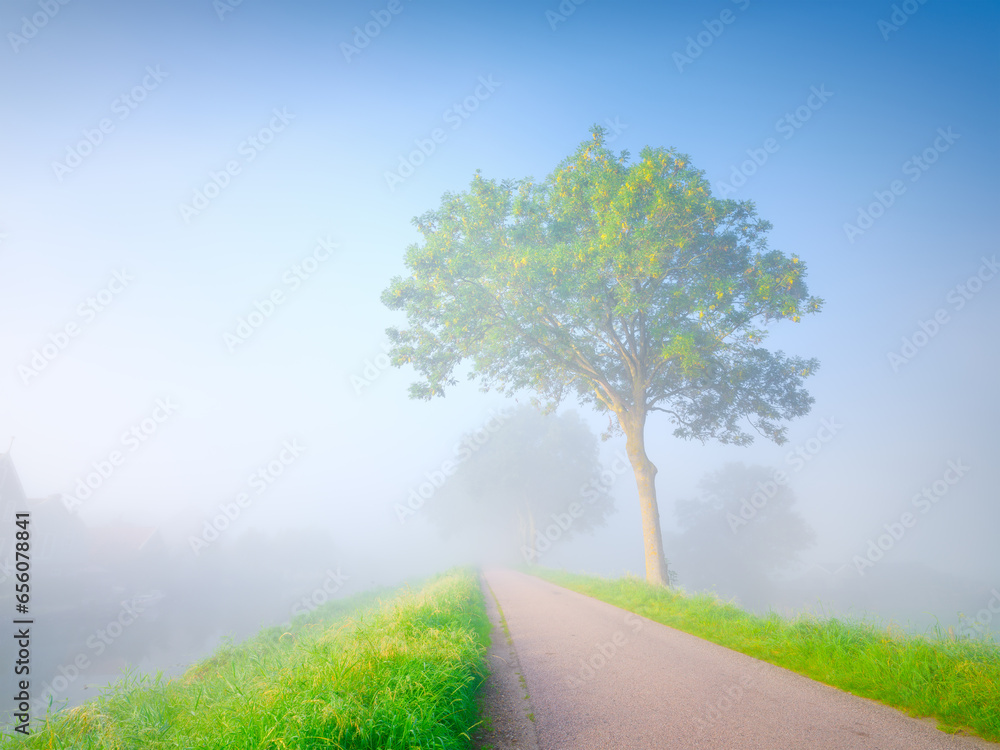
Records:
x=202, y=203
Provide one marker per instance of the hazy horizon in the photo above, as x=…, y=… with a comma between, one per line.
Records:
x=201, y=203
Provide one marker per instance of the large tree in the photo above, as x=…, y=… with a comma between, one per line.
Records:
x=625, y=283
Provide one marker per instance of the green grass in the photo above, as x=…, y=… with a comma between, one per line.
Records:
x=396, y=675
x=954, y=681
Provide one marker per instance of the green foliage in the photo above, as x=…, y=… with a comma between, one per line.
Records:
x=955, y=681
x=625, y=283
x=393, y=676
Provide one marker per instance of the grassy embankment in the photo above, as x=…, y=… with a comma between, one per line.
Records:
x=957, y=682
x=385, y=676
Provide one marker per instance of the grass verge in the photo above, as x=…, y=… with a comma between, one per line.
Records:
x=390, y=676
x=957, y=682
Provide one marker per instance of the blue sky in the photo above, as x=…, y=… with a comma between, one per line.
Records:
x=209, y=84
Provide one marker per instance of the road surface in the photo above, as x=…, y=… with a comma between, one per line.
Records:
x=599, y=677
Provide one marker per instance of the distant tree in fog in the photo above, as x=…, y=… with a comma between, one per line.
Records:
x=740, y=530
x=534, y=471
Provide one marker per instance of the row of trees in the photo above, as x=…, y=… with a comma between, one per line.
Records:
x=539, y=481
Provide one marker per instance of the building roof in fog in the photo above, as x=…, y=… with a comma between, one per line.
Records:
x=11, y=490
x=113, y=543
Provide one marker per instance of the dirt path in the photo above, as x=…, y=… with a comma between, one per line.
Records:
x=600, y=677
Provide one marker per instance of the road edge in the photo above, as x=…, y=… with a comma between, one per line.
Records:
x=507, y=716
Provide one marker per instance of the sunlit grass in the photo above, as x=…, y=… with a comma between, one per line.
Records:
x=396, y=675
x=956, y=681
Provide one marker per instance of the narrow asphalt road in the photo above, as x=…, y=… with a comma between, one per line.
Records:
x=600, y=677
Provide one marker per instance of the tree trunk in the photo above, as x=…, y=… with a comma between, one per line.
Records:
x=645, y=474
